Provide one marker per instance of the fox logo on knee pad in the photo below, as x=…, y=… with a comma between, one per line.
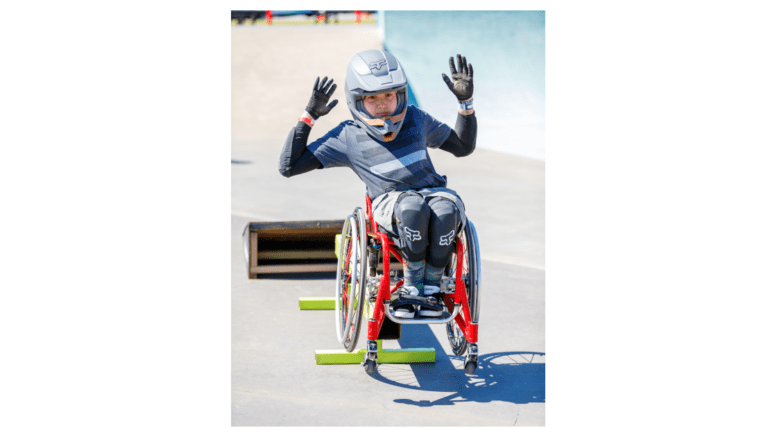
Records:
x=412, y=235
x=447, y=239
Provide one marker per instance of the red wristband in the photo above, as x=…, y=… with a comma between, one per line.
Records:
x=307, y=120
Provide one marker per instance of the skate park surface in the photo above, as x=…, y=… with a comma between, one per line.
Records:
x=275, y=380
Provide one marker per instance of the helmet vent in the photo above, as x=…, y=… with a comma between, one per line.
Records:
x=389, y=78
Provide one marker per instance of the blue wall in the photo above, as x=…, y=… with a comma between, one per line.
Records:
x=507, y=52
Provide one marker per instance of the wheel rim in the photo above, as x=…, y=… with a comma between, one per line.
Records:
x=341, y=292
x=475, y=283
x=357, y=262
x=352, y=287
x=470, y=272
x=456, y=337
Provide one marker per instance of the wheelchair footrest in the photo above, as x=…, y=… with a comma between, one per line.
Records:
x=421, y=320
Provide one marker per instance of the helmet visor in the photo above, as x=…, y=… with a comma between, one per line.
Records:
x=360, y=93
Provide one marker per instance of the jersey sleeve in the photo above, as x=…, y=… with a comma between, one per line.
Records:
x=332, y=148
x=436, y=132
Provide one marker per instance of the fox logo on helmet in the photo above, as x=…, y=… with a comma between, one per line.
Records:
x=377, y=65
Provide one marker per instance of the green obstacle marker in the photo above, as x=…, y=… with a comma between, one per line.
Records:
x=317, y=303
x=385, y=356
x=335, y=356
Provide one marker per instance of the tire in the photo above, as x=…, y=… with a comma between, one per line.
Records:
x=456, y=338
x=351, y=278
x=370, y=366
x=470, y=272
x=470, y=367
x=473, y=272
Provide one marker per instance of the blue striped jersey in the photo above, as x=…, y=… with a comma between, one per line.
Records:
x=402, y=164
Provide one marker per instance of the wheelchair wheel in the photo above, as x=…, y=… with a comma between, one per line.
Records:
x=472, y=277
x=456, y=338
x=470, y=272
x=351, y=278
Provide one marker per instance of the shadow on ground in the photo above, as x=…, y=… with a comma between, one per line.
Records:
x=512, y=377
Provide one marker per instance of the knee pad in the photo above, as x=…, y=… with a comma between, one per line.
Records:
x=443, y=224
x=412, y=215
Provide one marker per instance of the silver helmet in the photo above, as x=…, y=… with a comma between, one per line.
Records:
x=376, y=72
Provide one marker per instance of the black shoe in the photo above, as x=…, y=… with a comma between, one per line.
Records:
x=404, y=301
x=431, y=308
x=404, y=311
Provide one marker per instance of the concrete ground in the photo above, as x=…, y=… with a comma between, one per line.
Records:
x=275, y=380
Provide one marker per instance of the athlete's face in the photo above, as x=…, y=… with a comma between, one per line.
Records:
x=381, y=105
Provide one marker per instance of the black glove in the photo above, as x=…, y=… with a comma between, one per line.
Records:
x=461, y=85
x=317, y=105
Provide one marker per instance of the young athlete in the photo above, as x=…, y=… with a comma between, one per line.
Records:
x=386, y=146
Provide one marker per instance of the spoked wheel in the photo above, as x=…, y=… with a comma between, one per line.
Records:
x=470, y=272
x=351, y=277
x=456, y=338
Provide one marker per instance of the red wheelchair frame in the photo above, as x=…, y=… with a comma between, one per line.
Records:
x=462, y=275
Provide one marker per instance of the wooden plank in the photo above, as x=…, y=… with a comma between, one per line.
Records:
x=298, y=224
x=318, y=227
x=252, y=255
x=294, y=268
x=295, y=254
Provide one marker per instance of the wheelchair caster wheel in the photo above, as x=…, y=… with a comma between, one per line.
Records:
x=471, y=360
x=370, y=362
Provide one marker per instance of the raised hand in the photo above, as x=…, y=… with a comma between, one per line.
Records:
x=462, y=85
x=317, y=105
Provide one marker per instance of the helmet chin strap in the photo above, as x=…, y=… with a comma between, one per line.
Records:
x=379, y=122
x=384, y=124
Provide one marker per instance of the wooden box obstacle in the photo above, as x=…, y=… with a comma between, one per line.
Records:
x=290, y=247
x=294, y=247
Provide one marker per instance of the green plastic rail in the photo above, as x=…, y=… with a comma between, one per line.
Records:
x=385, y=356
x=316, y=303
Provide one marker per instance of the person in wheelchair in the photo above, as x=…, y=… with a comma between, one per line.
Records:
x=386, y=146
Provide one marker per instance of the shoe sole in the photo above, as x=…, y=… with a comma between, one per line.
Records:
x=425, y=311
x=404, y=314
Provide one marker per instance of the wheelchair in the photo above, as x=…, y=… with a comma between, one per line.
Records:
x=365, y=250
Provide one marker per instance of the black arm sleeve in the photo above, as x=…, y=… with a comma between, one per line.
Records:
x=295, y=157
x=461, y=141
